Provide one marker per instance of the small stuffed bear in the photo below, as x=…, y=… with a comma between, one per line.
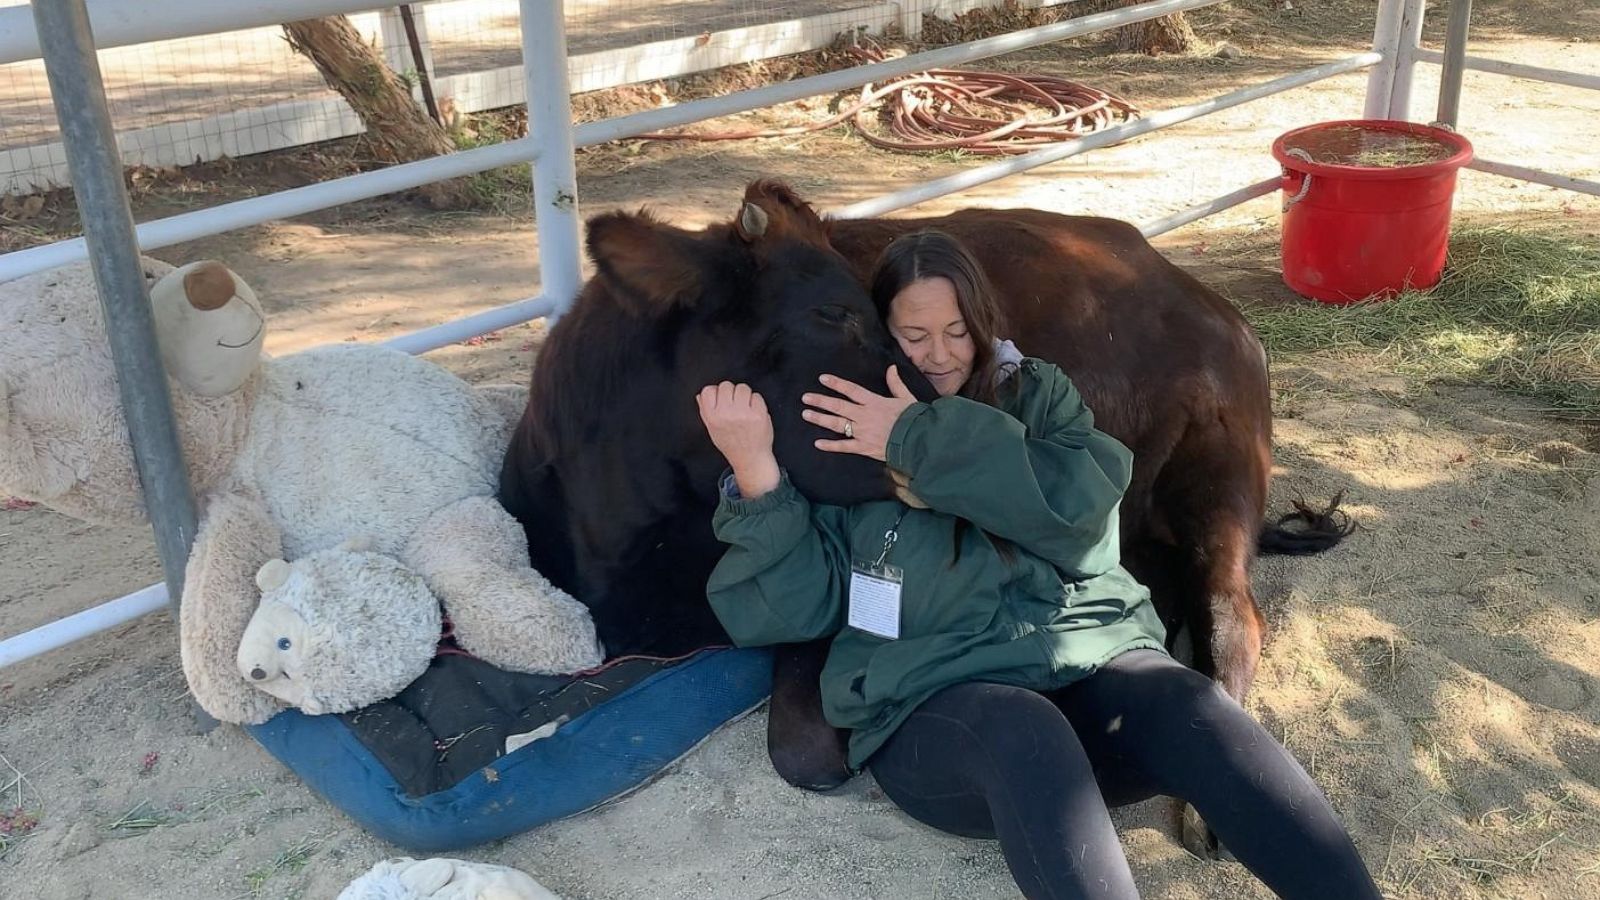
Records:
x=288, y=457
x=443, y=878
x=338, y=628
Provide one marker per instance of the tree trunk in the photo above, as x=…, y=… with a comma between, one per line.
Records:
x=398, y=130
x=1168, y=34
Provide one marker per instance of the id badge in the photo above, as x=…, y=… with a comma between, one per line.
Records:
x=875, y=599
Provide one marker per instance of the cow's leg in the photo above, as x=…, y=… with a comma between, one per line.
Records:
x=648, y=595
x=1165, y=570
x=647, y=607
x=1210, y=498
x=532, y=494
x=1212, y=494
x=1218, y=619
x=807, y=751
x=1227, y=637
x=1208, y=608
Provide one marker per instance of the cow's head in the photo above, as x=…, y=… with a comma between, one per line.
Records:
x=765, y=300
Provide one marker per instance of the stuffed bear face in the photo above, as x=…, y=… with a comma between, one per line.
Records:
x=63, y=439
x=210, y=327
x=279, y=650
x=338, y=629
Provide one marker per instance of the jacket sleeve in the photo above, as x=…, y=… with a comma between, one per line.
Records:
x=785, y=575
x=1051, y=485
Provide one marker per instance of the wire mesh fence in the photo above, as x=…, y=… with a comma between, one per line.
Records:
x=238, y=93
x=178, y=102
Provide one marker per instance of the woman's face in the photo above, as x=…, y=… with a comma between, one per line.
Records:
x=925, y=319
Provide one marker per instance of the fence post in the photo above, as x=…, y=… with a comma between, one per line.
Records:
x=555, y=172
x=96, y=171
x=392, y=34
x=910, y=16
x=1385, y=40
x=1455, y=58
x=396, y=46
x=1406, y=59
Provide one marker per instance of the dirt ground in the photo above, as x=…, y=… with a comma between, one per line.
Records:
x=1439, y=674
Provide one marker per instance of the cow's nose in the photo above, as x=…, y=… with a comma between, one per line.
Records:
x=258, y=673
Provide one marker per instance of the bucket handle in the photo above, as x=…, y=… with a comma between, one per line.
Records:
x=1305, y=181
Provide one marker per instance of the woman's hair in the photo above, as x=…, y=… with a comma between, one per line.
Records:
x=934, y=254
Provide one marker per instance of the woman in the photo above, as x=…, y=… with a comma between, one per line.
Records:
x=999, y=672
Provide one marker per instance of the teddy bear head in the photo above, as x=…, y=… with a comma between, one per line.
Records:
x=338, y=629
x=63, y=439
x=210, y=327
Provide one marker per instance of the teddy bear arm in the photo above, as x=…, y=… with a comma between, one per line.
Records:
x=474, y=556
x=508, y=399
x=25, y=468
x=237, y=536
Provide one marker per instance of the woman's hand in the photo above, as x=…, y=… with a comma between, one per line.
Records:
x=862, y=417
x=736, y=418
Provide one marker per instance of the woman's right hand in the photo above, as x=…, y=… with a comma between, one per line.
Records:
x=736, y=418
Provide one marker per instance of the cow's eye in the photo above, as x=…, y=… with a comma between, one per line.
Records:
x=284, y=643
x=834, y=314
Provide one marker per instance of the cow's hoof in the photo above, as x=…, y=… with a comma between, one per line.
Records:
x=1198, y=838
x=810, y=774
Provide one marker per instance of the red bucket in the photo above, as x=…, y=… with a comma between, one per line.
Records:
x=1366, y=209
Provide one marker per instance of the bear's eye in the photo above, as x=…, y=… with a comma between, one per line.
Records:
x=283, y=643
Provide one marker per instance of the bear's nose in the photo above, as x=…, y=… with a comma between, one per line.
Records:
x=208, y=286
x=258, y=673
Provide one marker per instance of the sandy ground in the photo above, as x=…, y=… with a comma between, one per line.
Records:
x=1439, y=674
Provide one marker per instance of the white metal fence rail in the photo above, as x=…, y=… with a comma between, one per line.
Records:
x=1395, y=51
x=256, y=210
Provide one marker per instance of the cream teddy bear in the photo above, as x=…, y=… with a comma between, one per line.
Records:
x=288, y=456
x=338, y=629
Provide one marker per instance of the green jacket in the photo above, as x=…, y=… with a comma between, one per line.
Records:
x=1042, y=612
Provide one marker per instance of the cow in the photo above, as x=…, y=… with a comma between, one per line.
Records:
x=614, y=479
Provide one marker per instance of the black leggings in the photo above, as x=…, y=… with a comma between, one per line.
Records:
x=1038, y=770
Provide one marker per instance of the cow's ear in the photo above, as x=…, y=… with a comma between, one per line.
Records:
x=656, y=263
x=772, y=211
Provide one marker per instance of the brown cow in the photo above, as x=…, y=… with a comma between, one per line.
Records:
x=614, y=478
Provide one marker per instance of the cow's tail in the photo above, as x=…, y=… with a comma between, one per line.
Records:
x=1307, y=529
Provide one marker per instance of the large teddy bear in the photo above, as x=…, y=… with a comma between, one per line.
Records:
x=291, y=458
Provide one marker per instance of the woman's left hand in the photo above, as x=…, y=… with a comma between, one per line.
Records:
x=862, y=417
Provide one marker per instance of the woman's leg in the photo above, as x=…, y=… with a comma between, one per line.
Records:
x=1145, y=719
x=988, y=760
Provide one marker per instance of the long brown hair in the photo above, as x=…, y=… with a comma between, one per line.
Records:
x=935, y=254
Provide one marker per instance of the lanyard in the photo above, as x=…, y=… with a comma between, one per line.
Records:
x=889, y=537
